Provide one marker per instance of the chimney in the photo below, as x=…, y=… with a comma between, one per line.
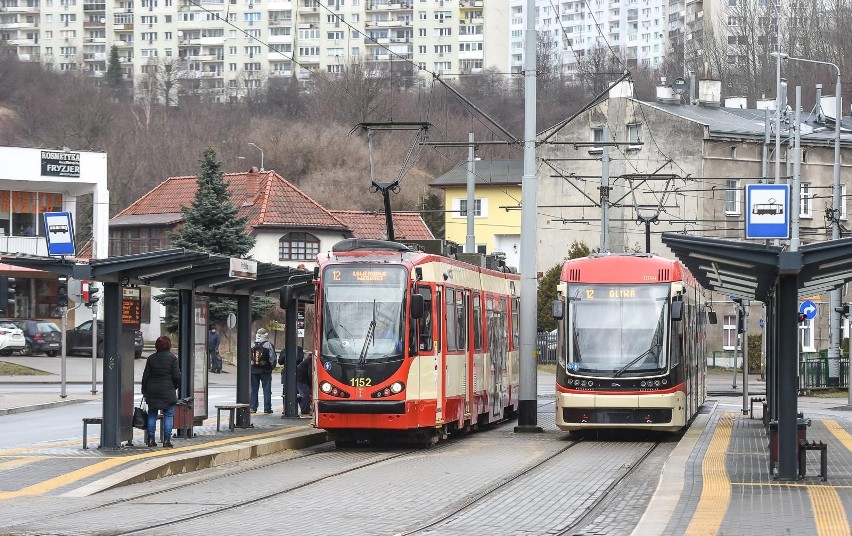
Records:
x=709, y=93
x=736, y=102
x=622, y=89
x=666, y=95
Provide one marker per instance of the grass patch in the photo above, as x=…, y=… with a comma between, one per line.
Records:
x=12, y=369
x=827, y=393
x=548, y=367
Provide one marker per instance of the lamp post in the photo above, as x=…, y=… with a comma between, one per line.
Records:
x=834, y=300
x=261, y=154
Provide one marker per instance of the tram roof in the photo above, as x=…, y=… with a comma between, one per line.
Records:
x=173, y=268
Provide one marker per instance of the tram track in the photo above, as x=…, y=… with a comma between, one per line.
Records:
x=261, y=497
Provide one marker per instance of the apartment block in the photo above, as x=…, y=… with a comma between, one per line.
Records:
x=227, y=48
x=579, y=29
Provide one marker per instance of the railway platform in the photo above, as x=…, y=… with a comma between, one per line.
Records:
x=715, y=482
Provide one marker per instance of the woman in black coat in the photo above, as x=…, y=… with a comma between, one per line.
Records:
x=159, y=382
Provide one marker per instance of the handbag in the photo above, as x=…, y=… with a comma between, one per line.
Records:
x=140, y=416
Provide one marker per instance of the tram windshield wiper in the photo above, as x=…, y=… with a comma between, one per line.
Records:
x=371, y=331
x=649, y=351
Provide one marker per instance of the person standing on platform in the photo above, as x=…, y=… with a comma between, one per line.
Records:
x=213, y=357
x=304, y=378
x=160, y=380
x=262, y=363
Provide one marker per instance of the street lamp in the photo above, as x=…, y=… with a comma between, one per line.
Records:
x=261, y=154
x=834, y=301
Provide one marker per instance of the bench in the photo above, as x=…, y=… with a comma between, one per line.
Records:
x=751, y=405
x=232, y=410
x=86, y=422
x=804, y=447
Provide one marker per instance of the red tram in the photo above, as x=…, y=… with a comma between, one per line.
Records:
x=630, y=345
x=411, y=346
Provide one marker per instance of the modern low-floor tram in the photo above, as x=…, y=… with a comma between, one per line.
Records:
x=630, y=344
x=411, y=346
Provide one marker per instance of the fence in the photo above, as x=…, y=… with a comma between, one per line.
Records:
x=545, y=345
x=813, y=367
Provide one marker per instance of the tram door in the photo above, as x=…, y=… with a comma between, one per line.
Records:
x=440, y=351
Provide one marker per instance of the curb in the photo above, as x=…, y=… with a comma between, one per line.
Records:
x=46, y=405
x=201, y=459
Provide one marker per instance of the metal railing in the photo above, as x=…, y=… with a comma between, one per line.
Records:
x=813, y=367
x=545, y=346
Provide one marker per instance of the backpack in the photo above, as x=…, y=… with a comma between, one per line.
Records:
x=260, y=355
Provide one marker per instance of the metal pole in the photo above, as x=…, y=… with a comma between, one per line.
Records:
x=834, y=295
x=746, y=305
x=604, y=246
x=94, y=346
x=795, y=202
x=470, y=242
x=62, y=393
x=778, y=104
x=736, y=345
x=527, y=396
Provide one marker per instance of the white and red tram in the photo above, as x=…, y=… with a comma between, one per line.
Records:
x=411, y=346
x=630, y=344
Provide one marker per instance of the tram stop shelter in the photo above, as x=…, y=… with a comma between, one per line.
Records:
x=778, y=278
x=188, y=272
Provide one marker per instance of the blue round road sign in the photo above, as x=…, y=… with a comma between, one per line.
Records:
x=808, y=308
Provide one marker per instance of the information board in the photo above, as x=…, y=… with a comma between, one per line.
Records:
x=131, y=307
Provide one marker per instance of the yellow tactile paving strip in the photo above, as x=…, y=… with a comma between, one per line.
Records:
x=75, y=476
x=716, y=487
x=829, y=515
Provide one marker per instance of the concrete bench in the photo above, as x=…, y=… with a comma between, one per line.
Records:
x=232, y=410
x=86, y=422
x=804, y=447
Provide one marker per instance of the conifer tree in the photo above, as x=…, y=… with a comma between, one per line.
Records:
x=213, y=224
x=548, y=283
x=113, y=74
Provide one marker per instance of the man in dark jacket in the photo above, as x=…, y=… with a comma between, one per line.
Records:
x=159, y=381
x=304, y=378
x=213, y=350
x=262, y=363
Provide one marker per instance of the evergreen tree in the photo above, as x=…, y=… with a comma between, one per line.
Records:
x=432, y=212
x=548, y=283
x=212, y=224
x=114, y=76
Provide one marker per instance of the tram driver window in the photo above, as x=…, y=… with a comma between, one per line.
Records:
x=424, y=325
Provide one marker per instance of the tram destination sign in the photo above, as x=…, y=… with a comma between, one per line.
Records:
x=60, y=164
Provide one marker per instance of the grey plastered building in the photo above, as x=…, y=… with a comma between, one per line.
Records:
x=685, y=166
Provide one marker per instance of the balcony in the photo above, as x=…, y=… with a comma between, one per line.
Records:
x=29, y=57
x=94, y=8
x=273, y=23
x=94, y=56
x=93, y=24
x=30, y=245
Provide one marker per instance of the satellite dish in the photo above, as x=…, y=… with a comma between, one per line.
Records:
x=679, y=86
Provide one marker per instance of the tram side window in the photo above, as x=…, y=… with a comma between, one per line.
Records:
x=450, y=298
x=516, y=329
x=461, y=318
x=425, y=322
x=477, y=323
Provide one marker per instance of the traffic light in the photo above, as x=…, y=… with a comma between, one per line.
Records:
x=802, y=318
x=741, y=323
x=7, y=295
x=62, y=293
x=93, y=295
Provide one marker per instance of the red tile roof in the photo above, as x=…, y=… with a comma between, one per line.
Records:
x=264, y=197
x=406, y=225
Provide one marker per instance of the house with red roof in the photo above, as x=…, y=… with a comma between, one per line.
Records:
x=289, y=227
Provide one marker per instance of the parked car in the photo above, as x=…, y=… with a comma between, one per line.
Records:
x=79, y=339
x=11, y=338
x=42, y=337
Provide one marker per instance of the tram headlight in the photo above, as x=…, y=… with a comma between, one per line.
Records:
x=325, y=387
x=665, y=381
x=657, y=383
x=397, y=387
x=642, y=384
x=589, y=383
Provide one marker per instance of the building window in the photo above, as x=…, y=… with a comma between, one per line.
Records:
x=634, y=133
x=805, y=201
x=729, y=332
x=480, y=208
x=598, y=134
x=298, y=247
x=732, y=196
x=806, y=336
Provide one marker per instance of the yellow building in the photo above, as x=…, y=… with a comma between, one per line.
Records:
x=497, y=203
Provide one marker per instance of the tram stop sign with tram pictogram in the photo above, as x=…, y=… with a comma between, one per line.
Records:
x=767, y=211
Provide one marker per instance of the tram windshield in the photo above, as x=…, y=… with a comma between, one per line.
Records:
x=617, y=330
x=363, y=311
